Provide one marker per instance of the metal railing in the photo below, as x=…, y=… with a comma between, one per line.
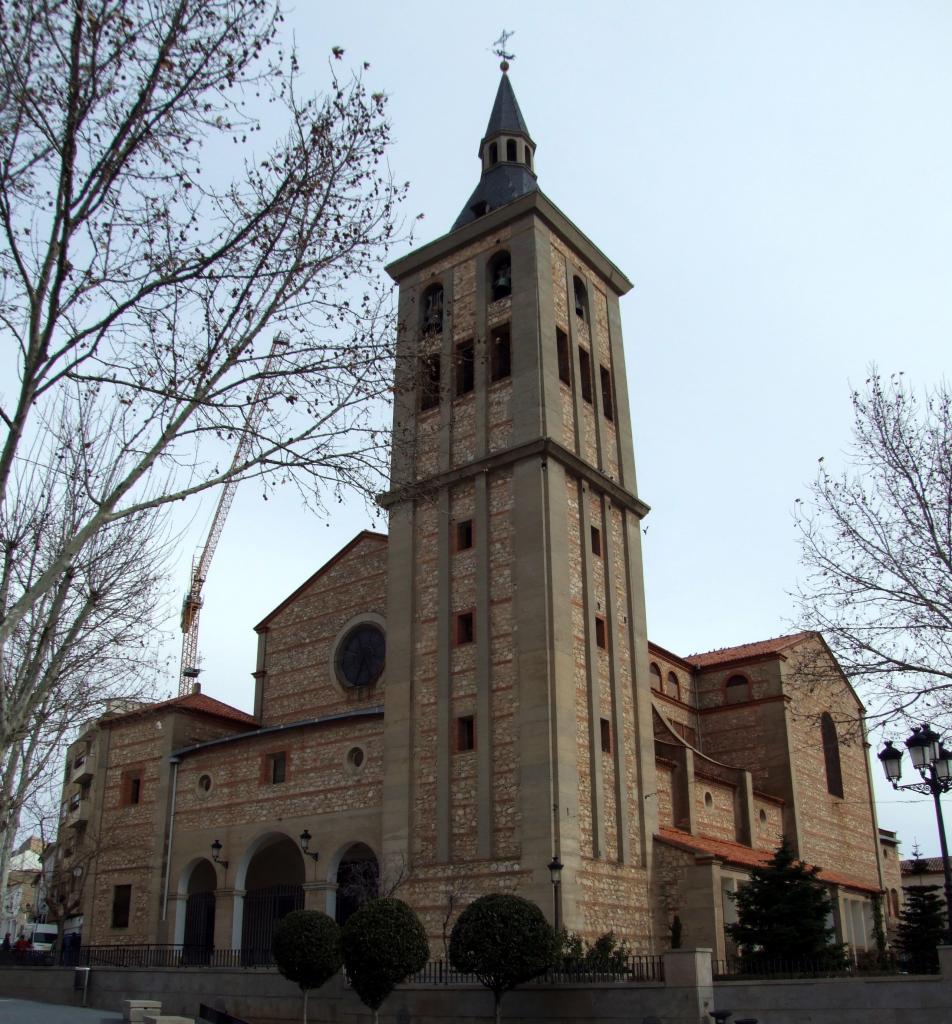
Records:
x=169, y=956
x=436, y=972
x=755, y=968
x=631, y=969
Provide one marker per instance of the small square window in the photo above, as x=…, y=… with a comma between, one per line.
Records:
x=465, y=368
x=585, y=374
x=466, y=733
x=596, y=541
x=601, y=634
x=607, y=407
x=277, y=767
x=121, y=904
x=606, y=730
x=465, y=628
x=464, y=535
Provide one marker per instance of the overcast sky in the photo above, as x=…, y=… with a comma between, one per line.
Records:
x=775, y=179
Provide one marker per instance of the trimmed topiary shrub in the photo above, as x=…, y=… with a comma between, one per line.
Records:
x=383, y=943
x=306, y=948
x=504, y=940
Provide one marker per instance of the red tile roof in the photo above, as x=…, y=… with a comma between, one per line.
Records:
x=754, y=650
x=745, y=856
x=193, y=702
x=929, y=866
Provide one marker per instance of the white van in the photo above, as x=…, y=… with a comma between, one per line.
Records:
x=42, y=936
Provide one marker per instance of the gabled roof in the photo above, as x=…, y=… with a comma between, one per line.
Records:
x=744, y=856
x=344, y=551
x=724, y=655
x=199, y=702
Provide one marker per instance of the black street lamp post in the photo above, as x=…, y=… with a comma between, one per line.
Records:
x=934, y=765
x=555, y=873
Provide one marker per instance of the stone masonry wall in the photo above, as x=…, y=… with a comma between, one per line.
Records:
x=836, y=832
x=128, y=837
x=301, y=637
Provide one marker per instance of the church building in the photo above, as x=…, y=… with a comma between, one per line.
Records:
x=458, y=706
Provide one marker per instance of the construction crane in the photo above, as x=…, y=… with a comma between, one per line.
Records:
x=192, y=602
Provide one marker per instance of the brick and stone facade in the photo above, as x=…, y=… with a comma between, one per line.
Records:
x=520, y=712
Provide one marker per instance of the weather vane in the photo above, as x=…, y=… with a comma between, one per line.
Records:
x=499, y=49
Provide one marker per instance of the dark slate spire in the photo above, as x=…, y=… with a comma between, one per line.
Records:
x=506, y=115
x=507, y=153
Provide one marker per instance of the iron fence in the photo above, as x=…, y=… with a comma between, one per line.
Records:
x=169, y=956
x=630, y=969
x=866, y=966
x=436, y=972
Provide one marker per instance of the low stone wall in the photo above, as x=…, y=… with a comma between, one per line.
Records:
x=896, y=1000
x=264, y=997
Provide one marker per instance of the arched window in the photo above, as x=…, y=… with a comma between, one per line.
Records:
x=511, y=150
x=673, y=687
x=655, y=674
x=894, y=902
x=581, y=298
x=433, y=308
x=500, y=276
x=736, y=690
x=528, y=153
x=831, y=755
x=493, y=153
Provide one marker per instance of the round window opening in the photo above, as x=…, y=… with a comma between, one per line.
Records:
x=708, y=800
x=763, y=817
x=360, y=656
x=355, y=757
x=204, y=783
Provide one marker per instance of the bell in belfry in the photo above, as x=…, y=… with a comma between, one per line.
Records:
x=502, y=281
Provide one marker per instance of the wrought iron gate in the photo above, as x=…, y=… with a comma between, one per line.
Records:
x=199, y=939
x=263, y=909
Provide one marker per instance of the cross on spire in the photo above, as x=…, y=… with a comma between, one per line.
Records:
x=499, y=49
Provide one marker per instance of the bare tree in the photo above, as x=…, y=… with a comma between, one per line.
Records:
x=147, y=290
x=361, y=880
x=141, y=290
x=91, y=640
x=457, y=893
x=876, y=543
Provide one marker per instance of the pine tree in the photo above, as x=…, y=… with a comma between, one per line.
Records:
x=782, y=914
x=921, y=923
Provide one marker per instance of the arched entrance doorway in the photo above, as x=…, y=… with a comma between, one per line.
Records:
x=358, y=880
x=273, y=888
x=198, y=939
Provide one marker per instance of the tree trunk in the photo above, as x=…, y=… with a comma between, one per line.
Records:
x=498, y=997
x=305, y=1006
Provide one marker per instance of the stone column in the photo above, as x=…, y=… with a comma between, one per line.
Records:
x=688, y=974
x=945, y=961
x=229, y=904
x=321, y=896
x=173, y=927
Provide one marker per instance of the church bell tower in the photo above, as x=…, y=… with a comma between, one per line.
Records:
x=518, y=720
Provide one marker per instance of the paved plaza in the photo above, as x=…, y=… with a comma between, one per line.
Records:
x=25, y=1011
